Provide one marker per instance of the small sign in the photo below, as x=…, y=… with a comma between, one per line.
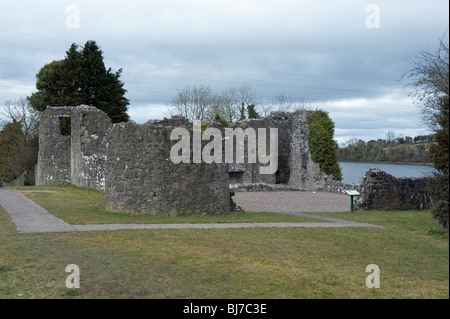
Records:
x=351, y=192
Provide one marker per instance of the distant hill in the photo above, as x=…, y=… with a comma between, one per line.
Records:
x=400, y=150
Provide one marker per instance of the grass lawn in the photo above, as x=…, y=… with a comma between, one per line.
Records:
x=80, y=206
x=411, y=252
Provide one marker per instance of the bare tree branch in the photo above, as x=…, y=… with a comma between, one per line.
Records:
x=429, y=79
x=21, y=111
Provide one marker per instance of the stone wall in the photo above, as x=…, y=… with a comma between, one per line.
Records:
x=260, y=187
x=54, y=155
x=240, y=173
x=72, y=146
x=141, y=177
x=295, y=167
x=380, y=190
x=338, y=187
x=304, y=172
x=90, y=127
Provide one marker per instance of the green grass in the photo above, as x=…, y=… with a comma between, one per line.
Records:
x=326, y=263
x=78, y=206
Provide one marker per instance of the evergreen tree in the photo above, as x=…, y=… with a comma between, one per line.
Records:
x=252, y=114
x=220, y=120
x=81, y=78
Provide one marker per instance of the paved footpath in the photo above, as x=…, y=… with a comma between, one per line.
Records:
x=31, y=218
x=28, y=216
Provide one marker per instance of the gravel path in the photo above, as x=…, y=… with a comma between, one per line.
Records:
x=292, y=201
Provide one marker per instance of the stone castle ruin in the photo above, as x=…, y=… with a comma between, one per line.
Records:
x=72, y=146
x=131, y=162
x=295, y=166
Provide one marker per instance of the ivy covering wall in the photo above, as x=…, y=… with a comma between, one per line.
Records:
x=322, y=146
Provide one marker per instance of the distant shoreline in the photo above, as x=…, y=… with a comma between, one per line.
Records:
x=397, y=163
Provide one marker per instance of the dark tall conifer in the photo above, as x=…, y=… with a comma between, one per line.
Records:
x=81, y=78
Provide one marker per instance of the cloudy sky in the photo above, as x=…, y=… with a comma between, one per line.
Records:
x=345, y=57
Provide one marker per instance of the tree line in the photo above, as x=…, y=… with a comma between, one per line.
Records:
x=229, y=105
x=392, y=149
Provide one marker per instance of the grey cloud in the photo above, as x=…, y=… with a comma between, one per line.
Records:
x=318, y=50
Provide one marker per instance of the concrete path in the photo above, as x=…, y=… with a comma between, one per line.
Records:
x=31, y=218
x=28, y=216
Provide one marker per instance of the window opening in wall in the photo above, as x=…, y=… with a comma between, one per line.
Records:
x=305, y=160
x=65, y=128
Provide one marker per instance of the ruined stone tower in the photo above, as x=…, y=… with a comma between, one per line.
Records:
x=141, y=177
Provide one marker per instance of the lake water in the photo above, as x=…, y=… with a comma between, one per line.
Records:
x=354, y=172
